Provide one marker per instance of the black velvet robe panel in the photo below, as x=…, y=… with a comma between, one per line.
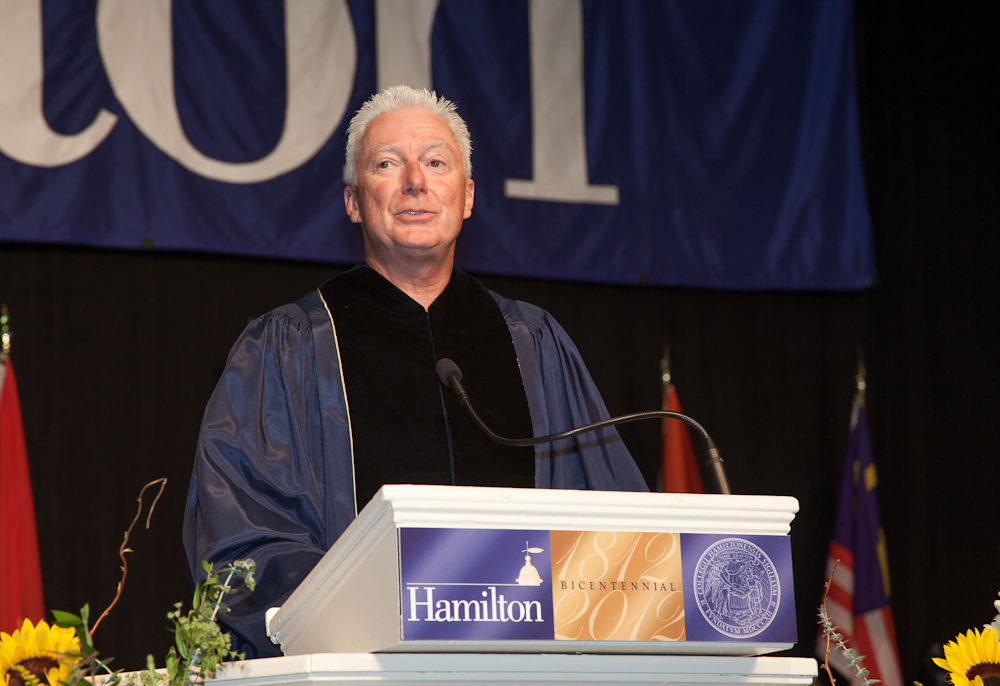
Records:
x=405, y=426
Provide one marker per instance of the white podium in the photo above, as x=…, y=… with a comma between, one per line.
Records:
x=620, y=575
x=387, y=606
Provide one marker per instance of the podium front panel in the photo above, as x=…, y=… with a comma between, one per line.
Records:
x=582, y=586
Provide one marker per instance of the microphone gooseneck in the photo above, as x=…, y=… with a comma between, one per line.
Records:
x=451, y=376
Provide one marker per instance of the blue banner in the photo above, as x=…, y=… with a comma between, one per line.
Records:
x=693, y=144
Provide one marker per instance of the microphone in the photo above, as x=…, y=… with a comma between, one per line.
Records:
x=451, y=376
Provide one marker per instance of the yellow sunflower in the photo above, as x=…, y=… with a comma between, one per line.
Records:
x=973, y=658
x=41, y=650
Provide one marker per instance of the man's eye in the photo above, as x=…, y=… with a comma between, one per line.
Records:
x=384, y=164
x=437, y=163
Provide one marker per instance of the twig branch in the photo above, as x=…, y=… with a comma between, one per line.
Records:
x=826, y=594
x=830, y=632
x=221, y=593
x=124, y=546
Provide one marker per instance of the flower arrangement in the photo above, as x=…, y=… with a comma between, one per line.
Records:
x=973, y=658
x=63, y=652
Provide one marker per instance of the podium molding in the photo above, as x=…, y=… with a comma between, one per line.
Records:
x=390, y=669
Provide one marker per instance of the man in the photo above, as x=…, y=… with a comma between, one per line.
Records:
x=325, y=400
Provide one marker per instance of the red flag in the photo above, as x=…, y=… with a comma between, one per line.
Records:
x=680, y=470
x=20, y=571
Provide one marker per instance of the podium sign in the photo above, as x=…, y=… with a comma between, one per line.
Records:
x=460, y=569
x=523, y=585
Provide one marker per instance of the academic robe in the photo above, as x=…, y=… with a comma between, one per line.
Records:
x=273, y=473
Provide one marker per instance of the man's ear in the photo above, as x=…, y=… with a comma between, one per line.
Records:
x=470, y=196
x=351, y=204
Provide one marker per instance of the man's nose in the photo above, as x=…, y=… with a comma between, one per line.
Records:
x=415, y=181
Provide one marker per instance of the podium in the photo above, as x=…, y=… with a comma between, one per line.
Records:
x=497, y=585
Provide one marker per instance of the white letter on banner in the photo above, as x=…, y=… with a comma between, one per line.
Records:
x=136, y=45
x=25, y=136
x=403, y=42
x=558, y=139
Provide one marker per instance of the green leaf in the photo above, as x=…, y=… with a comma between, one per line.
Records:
x=66, y=619
x=172, y=664
x=86, y=642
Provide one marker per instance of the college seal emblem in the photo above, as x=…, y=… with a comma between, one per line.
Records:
x=736, y=587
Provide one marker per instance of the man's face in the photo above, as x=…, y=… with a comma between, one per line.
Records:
x=411, y=195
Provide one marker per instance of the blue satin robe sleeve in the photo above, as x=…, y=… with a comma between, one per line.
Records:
x=259, y=481
x=561, y=396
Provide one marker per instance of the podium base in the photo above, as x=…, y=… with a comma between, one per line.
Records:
x=496, y=668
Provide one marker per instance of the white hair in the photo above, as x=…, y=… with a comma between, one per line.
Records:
x=396, y=99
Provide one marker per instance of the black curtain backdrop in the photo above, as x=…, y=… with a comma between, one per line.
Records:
x=117, y=352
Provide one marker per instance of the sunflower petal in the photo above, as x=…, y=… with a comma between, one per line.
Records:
x=972, y=646
x=989, y=645
x=955, y=657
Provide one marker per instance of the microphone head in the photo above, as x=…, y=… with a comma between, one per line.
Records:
x=445, y=367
